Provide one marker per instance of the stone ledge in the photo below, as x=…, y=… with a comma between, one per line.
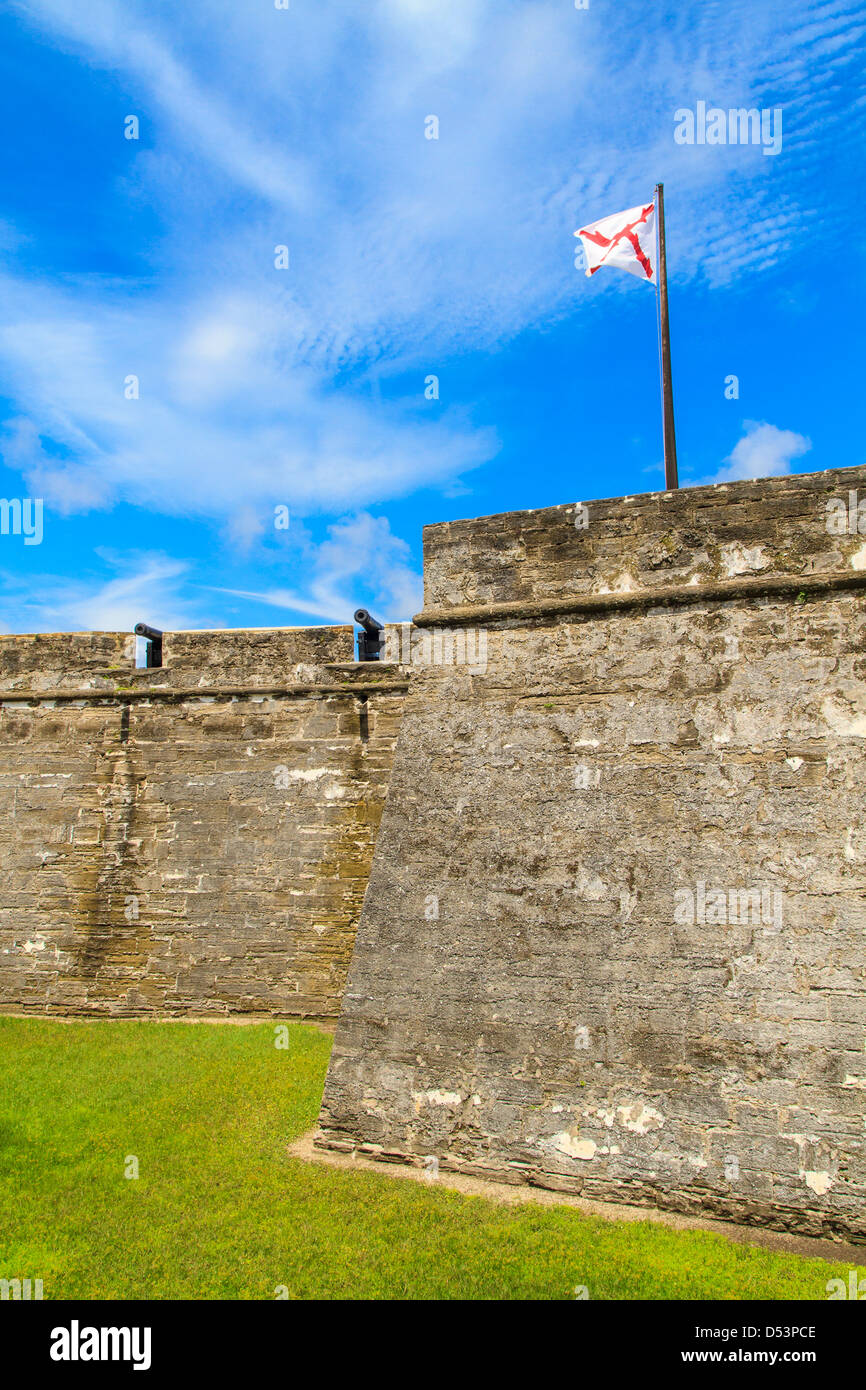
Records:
x=774, y=586
x=173, y=695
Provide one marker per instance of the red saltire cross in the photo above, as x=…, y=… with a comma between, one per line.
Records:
x=630, y=235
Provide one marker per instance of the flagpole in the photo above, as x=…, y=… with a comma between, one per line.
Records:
x=671, y=480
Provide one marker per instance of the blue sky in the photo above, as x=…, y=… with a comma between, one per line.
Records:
x=408, y=257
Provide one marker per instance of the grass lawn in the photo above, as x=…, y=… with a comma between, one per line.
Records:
x=219, y=1210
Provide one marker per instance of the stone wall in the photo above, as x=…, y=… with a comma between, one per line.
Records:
x=193, y=839
x=615, y=936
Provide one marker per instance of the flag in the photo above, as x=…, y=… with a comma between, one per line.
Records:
x=625, y=240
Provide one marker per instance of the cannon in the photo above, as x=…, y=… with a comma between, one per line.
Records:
x=154, y=643
x=370, y=643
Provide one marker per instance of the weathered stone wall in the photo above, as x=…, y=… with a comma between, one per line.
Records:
x=54, y=660
x=769, y=535
x=615, y=935
x=190, y=839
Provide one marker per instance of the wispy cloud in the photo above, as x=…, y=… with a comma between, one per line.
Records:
x=402, y=249
x=146, y=587
x=216, y=425
x=361, y=563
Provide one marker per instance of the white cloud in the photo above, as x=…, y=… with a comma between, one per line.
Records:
x=763, y=452
x=244, y=529
x=218, y=426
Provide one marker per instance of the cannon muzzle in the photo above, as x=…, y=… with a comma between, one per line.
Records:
x=368, y=623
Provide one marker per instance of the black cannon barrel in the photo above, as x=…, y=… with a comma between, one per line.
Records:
x=154, y=642
x=368, y=623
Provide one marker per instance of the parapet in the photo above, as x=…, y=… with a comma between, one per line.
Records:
x=238, y=654
x=765, y=535
x=44, y=660
x=104, y=661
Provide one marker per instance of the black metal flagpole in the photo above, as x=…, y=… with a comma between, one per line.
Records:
x=671, y=480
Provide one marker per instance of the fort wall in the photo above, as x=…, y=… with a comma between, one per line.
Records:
x=614, y=941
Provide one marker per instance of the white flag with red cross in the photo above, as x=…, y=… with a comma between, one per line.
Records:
x=625, y=240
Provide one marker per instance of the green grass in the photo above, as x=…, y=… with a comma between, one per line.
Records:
x=221, y=1211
